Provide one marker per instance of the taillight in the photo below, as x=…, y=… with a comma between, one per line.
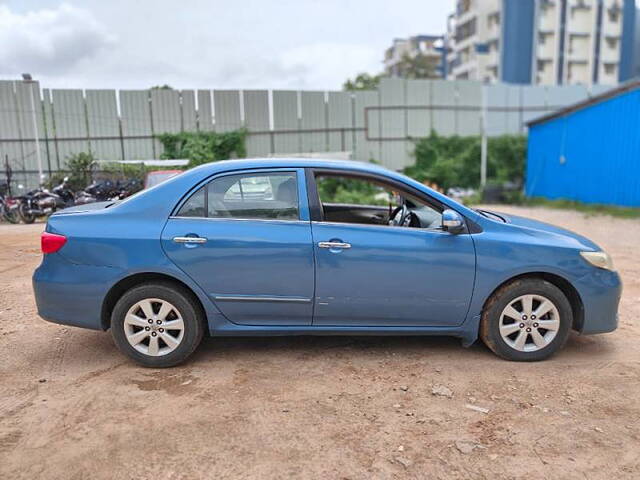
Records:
x=51, y=242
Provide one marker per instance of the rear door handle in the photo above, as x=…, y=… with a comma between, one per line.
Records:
x=189, y=239
x=342, y=245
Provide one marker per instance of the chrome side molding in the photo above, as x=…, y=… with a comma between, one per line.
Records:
x=258, y=298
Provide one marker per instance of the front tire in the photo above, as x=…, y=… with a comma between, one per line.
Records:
x=526, y=320
x=157, y=325
x=25, y=215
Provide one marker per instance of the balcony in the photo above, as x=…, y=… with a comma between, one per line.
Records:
x=548, y=21
x=547, y=48
x=610, y=55
x=580, y=4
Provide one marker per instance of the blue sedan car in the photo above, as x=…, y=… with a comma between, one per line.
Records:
x=315, y=247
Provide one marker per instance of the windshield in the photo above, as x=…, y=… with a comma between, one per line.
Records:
x=154, y=178
x=144, y=190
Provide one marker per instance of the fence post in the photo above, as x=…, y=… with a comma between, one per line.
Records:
x=483, y=144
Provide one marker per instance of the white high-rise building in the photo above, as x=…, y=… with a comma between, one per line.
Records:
x=542, y=41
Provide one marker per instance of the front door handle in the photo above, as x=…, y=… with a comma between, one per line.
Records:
x=340, y=245
x=189, y=239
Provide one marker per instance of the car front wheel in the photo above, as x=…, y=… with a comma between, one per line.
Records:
x=157, y=325
x=526, y=320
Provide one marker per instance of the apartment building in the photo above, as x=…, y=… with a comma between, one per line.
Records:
x=548, y=42
x=429, y=46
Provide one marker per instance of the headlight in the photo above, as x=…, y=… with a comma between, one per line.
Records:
x=598, y=259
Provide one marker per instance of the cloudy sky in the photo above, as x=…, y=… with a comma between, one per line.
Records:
x=305, y=44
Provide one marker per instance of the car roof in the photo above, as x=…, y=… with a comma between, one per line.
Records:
x=158, y=172
x=293, y=162
x=185, y=182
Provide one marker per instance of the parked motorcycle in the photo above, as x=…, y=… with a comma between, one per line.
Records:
x=64, y=192
x=42, y=202
x=8, y=205
x=128, y=187
x=104, y=190
x=98, y=191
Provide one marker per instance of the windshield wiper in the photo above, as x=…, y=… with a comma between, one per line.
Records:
x=491, y=215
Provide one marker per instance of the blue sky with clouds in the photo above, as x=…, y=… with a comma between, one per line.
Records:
x=303, y=44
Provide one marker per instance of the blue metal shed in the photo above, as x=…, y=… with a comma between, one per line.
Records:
x=589, y=151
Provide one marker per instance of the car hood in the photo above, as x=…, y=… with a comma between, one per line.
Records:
x=536, y=225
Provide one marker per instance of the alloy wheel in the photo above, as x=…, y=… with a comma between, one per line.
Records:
x=154, y=327
x=529, y=323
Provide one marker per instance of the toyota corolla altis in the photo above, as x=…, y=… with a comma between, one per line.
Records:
x=316, y=247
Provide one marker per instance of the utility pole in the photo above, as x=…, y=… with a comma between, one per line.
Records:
x=8, y=173
x=483, y=143
x=26, y=77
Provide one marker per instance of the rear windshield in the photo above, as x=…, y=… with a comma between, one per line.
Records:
x=154, y=179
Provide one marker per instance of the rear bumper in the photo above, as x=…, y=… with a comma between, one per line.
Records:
x=600, y=292
x=71, y=294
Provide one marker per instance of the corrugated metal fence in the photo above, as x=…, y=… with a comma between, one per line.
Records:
x=591, y=155
x=380, y=125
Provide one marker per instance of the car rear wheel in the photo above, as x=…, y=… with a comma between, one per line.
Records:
x=157, y=325
x=526, y=320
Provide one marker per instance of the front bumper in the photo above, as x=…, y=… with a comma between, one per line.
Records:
x=71, y=294
x=600, y=291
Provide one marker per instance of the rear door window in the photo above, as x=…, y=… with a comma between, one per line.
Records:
x=195, y=206
x=259, y=196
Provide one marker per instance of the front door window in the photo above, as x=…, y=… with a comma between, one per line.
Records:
x=363, y=200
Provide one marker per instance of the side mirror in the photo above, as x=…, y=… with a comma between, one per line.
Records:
x=452, y=221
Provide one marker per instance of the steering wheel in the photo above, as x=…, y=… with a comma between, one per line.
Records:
x=402, y=220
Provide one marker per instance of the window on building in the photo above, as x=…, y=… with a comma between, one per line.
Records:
x=493, y=19
x=546, y=5
x=580, y=5
x=614, y=13
x=463, y=6
x=466, y=30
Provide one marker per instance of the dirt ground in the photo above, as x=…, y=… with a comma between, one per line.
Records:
x=72, y=407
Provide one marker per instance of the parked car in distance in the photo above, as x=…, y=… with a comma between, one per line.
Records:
x=271, y=247
x=158, y=176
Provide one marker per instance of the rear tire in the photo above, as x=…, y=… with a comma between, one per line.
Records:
x=526, y=320
x=10, y=215
x=157, y=325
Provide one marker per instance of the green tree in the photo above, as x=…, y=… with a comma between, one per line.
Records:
x=204, y=147
x=455, y=161
x=363, y=81
x=419, y=66
x=81, y=167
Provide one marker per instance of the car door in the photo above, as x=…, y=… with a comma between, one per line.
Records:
x=245, y=238
x=381, y=275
